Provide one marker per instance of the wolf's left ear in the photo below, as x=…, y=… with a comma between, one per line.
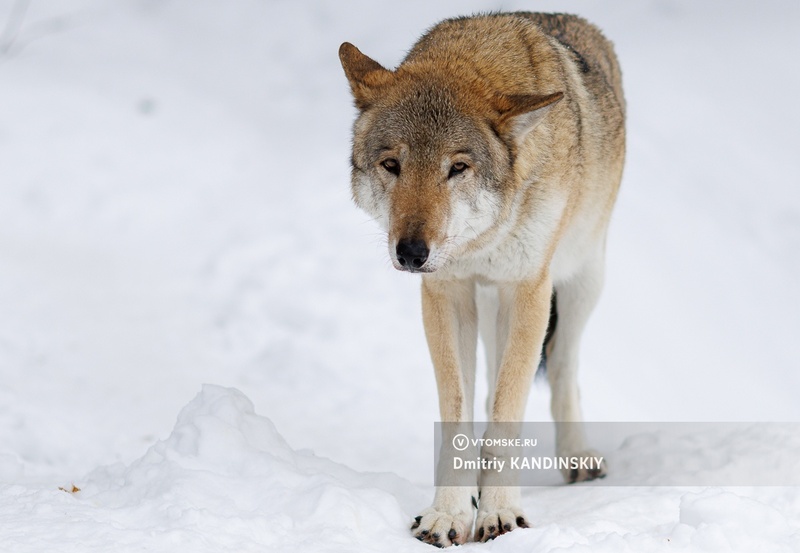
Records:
x=519, y=114
x=365, y=74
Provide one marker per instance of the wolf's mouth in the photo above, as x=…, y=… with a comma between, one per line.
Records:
x=407, y=269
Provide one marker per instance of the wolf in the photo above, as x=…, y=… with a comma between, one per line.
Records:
x=492, y=156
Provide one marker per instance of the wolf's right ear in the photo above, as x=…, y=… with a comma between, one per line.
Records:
x=365, y=74
x=519, y=114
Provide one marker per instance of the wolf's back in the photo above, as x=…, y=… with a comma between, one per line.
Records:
x=502, y=48
x=592, y=50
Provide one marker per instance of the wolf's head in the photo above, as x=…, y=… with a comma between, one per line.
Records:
x=434, y=155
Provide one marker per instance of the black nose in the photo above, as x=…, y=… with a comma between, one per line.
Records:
x=412, y=254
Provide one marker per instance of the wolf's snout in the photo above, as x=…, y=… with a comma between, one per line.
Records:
x=412, y=254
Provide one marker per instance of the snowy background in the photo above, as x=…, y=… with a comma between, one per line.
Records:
x=175, y=211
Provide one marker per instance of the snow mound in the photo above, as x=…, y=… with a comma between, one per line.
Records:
x=721, y=520
x=225, y=480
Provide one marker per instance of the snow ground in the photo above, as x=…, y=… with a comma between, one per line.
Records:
x=174, y=210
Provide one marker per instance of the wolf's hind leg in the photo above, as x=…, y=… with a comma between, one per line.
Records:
x=576, y=298
x=492, y=335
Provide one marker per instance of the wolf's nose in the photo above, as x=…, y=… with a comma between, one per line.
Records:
x=412, y=254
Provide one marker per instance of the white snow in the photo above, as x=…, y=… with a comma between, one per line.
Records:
x=223, y=480
x=175, y=210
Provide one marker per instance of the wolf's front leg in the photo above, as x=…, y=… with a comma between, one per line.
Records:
x=526, y=307
x=448, y=521
x=449, y=316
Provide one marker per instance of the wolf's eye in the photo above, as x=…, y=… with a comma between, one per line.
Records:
x=457, y=168
x=391, y=165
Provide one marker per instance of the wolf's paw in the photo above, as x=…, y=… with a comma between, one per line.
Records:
x=592, y=465
x=491, y=524
x=442, y=529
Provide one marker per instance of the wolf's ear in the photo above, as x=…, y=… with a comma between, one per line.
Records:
x=365, y=74
x=519, y=114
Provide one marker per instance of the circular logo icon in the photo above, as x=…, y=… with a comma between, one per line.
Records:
x=460, y=442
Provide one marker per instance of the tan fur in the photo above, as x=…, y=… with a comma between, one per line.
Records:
x=529, y=304
x=449, y=316
x=492, y=157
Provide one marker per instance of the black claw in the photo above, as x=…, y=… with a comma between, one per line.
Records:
x=573, y=476
x=480, y=532
x=492, y=528
x=507, y=527
x=418, y=518
x=424, y=533
x=419, y=538
x=451, y=535
x=522, y=523
x=474, y=502
x=437, y=544
x=436, y=535
x=415, y=526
